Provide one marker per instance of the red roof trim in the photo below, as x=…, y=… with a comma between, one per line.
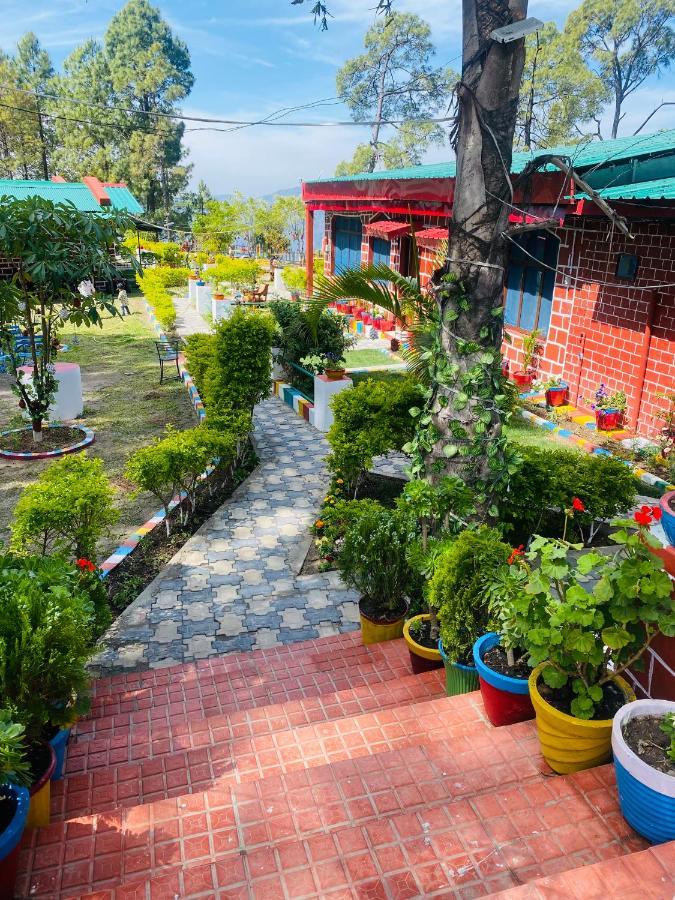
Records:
x=431, y=236
x=97, y=190
x=386, y=229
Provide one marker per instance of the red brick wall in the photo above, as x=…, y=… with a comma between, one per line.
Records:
x=606, y=322
x=658, y=679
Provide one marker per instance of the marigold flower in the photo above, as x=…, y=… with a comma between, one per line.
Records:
x=578, y=505
x=319, y=523
x=339, y=481
x=85, y=565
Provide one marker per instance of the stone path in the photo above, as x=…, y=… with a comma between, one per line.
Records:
x=233, y=585
x=188, y=320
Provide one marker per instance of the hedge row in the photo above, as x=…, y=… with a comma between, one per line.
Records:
x=153, y=283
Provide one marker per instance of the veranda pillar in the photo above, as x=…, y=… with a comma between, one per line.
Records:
x=309, y=249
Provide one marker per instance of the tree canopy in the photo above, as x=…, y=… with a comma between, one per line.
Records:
x=395, y=79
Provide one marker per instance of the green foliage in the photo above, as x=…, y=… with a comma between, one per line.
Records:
x=65, y=510
x=165, y=253
x=545, y=481
x=175, y=463
x=668, y=727
x=241, y=375
x=395, y=79
x=14, y=768
x=624, y=42
x=200, y=356
x=370, y=419
x=153, y=283
x=217, y=228
x=335, y=519
x=295, y=277
x=46, y=620
x=308, y=331
x=457, y=590
x=592, y=617
x=55, y=247
x=228, y=270
x=372, y=557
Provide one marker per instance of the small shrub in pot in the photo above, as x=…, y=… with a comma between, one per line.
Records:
x=14, y=798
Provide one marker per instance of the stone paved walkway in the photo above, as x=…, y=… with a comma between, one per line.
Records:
x=188, y=320
x=233, y=586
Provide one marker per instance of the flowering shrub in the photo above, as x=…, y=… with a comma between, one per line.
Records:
x=605, y=400
x=592, y=617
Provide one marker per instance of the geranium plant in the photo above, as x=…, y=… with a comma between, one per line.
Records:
x=592, y=616
x=606, y=400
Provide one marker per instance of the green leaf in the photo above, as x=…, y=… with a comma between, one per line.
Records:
x=615, y=638
x=553, y=678
x=450, y=450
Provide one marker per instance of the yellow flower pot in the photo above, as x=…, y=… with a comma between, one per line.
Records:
x=422, y=658
x=40, y=795
x=373, y=632
x=569, y=744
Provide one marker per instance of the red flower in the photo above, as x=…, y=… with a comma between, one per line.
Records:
x=515, y=553
x=657, y=512
x=85, y=564
x=643, y=516
x=578, y=505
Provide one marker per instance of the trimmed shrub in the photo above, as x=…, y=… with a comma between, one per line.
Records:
x=458, y=588
x=153, y=284
x=240, y=376
x=200, y=356
x=546, y=483
x=175, y=464
x=45, y=637
x=297, y=340
x=295, y=277
x=228, y=270
x=66, y=510
x=372, y=418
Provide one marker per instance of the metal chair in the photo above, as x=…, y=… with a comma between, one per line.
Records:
x=168, y=352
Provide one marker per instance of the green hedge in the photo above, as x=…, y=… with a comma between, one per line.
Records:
x=370, y=419
x=153, y=284
x=200, y=355
x=546, y=483
x=233, y=271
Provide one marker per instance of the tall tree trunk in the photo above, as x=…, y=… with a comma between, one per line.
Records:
x=529, y=112
x=467, y=439
x=375, y=133
x=43, y=144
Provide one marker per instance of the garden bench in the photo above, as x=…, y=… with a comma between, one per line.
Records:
x=168, y=352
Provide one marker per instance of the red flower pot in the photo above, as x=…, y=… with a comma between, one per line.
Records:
x=367, y=319
x=505, y=368
x=557, y=396
x=608, y=419
x=506, y=699
x=523, y=379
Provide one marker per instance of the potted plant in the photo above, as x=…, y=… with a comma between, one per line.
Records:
x=609, y=409
x=584, y=619
x=667, y=504
x=524, y=376
x=458, y=593
x=372, y=560
x=334, y=371
x=440, y=511
x=499, y=656
x=557, y=392
x=14, y=799
x=643, y=743
x=46, y=628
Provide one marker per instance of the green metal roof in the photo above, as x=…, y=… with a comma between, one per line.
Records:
x=660, y=189
x=75, y=192
x=583, y=156
x=122, y=198
x=57, y=191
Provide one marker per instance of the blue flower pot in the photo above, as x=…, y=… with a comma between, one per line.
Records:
x=647, y=797
x=459, y=679
x=668, y=516
x=10, y=838
x=506, y=699
x=59, y=743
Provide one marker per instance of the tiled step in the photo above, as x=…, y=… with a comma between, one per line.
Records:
x=239, y=681
x=459, y=720
x=158, y=738
x=637, y=876
x=416, y=822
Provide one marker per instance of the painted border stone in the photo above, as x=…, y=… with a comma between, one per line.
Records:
x=88, y=439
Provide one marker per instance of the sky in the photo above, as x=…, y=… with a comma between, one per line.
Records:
x=253, y=57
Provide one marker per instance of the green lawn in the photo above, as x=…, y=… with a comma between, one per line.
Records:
x=359, y=359
x=527, y=434
x=124, y=404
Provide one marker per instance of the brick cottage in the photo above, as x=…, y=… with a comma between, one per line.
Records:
x=603, y=303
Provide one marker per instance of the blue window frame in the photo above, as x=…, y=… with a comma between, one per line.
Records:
x=530, y=281
x=381, y=252
x=347, y=231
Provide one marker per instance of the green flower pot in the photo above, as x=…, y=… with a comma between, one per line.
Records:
x=459, y=679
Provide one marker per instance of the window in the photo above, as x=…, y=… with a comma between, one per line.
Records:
x=530, y=281
x=381, y=252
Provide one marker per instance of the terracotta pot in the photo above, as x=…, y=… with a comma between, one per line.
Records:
x=608, y=419
x=558, y=396
x=218, y=296
x=523, y=379
x=335, y=374
x=422, y=659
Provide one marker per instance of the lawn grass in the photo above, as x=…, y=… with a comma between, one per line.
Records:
x=124, y=404
x=357, y=359
x=527, y=434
